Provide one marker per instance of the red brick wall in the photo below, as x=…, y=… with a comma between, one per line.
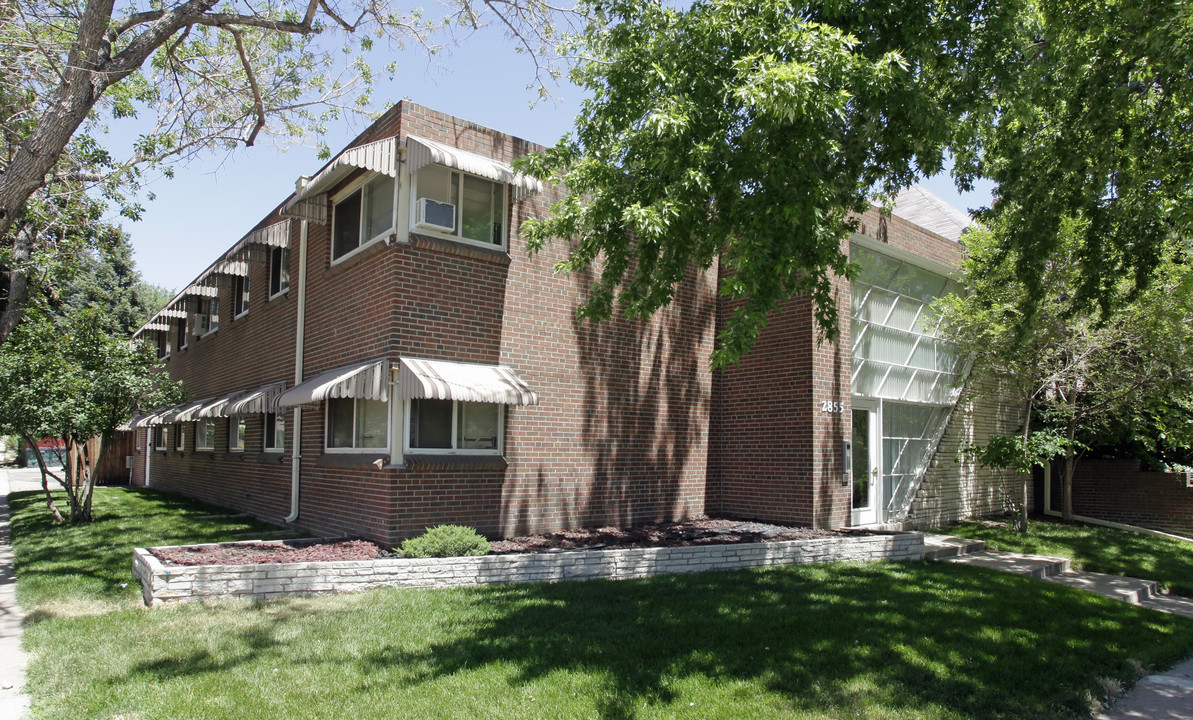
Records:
x=621, y=432
x=1119, y=491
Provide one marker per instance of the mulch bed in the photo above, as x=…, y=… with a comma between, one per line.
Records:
x=696, y=531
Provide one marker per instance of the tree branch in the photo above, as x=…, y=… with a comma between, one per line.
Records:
x=258, y=105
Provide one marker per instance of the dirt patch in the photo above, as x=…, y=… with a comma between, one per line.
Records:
x=696, y=531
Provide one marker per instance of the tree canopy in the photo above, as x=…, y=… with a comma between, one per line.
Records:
x=214, y=74
x=756, y=132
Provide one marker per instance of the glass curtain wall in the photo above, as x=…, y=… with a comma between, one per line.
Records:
x=898, y=359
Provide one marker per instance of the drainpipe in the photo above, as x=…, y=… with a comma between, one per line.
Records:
x=295, y=446
x=148, y=453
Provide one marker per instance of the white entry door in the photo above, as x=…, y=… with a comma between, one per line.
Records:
x=867, y=478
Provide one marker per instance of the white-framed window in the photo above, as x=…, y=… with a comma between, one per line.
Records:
x=207, y=320
x=182, y=328
x=479, y=206
x=363, y=214
x=279, y=271
x=275, y=432
x=160, y=441
x=237, y=426
x=240, y=296
x=205, y=435
x=356, y=425
x=450, y=426
x=179, y=437
x=163, y=345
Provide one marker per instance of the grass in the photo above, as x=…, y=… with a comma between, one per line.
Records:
x=1097, y=549
x=885, y=640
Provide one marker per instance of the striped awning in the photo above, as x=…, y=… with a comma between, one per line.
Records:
x=421, y=151
x=202, y=290
x=186, y=412
x=466, y=382
x=309, y=203
x=215, y=408
x=158, y=326
x=366, y=381
x=275, y=235
x=172, y=313
x=141, y=420
x=255, y=402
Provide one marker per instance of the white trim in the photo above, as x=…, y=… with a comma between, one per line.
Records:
x=272, y=436
x=208, y=437
x=359, y=185
x=327, y=448
x=234, y=422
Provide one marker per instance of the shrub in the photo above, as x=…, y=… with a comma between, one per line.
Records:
x=446, y=541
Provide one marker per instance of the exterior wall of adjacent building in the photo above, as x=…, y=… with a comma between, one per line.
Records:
x=1119, y=490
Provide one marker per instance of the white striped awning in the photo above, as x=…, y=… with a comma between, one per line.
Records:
x=215, y=408
x=466, y=382
x=142, y=420
x=172, y=313
x=158, y=326
x=275, y=235
x=380, y=157
x=255, y=402
x=186, y=412
x=421, y=151
x=366, y=381
x=202, y=290
x=231, y=267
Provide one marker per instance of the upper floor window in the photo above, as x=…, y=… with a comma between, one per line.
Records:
x=362, y=215
x=205, y=435
x=463, y=206
x=357, y=424
x=452, y=426
x=207, y=320
x=182, y=328
x=279, y=271
x=163, y=346
x=240, y=296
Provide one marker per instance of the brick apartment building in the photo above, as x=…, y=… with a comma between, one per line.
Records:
x=379, y=354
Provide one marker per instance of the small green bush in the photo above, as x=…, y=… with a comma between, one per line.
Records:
x=446, y=541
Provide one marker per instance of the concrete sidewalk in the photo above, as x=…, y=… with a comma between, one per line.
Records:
x=14, y=704
x=1163, y=696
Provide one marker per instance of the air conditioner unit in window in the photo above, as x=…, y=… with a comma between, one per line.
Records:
x=436, y=215
x=201, y=325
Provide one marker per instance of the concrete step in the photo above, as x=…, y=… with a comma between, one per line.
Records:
x=1132, y=591
x=1033, y=566
x=938, y=547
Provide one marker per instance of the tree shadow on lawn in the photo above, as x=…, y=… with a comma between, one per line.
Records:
x=840, y=637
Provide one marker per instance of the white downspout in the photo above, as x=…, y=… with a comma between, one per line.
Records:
x=296, y=444
x=148, y=452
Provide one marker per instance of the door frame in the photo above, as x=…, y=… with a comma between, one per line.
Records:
x=873, y=512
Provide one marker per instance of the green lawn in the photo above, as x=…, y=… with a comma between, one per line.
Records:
x=886, y=640
x=1093, y=548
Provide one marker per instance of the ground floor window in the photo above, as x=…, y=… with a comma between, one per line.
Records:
x=179, y=438
x=275, y=432
x=357, y=424
x=205, y=435
x=236, y=431
x=159, y=437
x=451, y=426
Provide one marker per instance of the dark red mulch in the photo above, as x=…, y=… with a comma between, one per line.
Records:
x=258, y=552
x=696, y=531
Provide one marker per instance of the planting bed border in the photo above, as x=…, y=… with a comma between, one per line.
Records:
x=161, y=583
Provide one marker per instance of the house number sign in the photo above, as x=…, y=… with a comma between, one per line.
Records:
x=832, y=406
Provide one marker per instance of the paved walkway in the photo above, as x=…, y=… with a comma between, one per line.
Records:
x=14, y=704
x=1164, y=696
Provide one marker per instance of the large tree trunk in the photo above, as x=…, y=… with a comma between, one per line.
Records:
x=18, y=280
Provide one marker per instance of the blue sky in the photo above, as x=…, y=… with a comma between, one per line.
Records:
x=213, y=201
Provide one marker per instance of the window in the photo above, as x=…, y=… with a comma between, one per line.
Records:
x=205, y=435
x=362, y=216
x=279, y=271
x=240, y=296
x=179, y=437
x=275, y=432
x=355, y=424
x=159, y=437
x=163, y=345
x=181, y=329
x=479, y=204
x=447, y=425
x=236, y=431
x=208, y=319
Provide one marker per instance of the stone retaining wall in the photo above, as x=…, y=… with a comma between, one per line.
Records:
x=174, y=583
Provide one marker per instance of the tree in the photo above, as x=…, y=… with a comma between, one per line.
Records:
x=1079, y=378
x=218, y=73
x=76, y=382
x=756, y=132
x=106, y=278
